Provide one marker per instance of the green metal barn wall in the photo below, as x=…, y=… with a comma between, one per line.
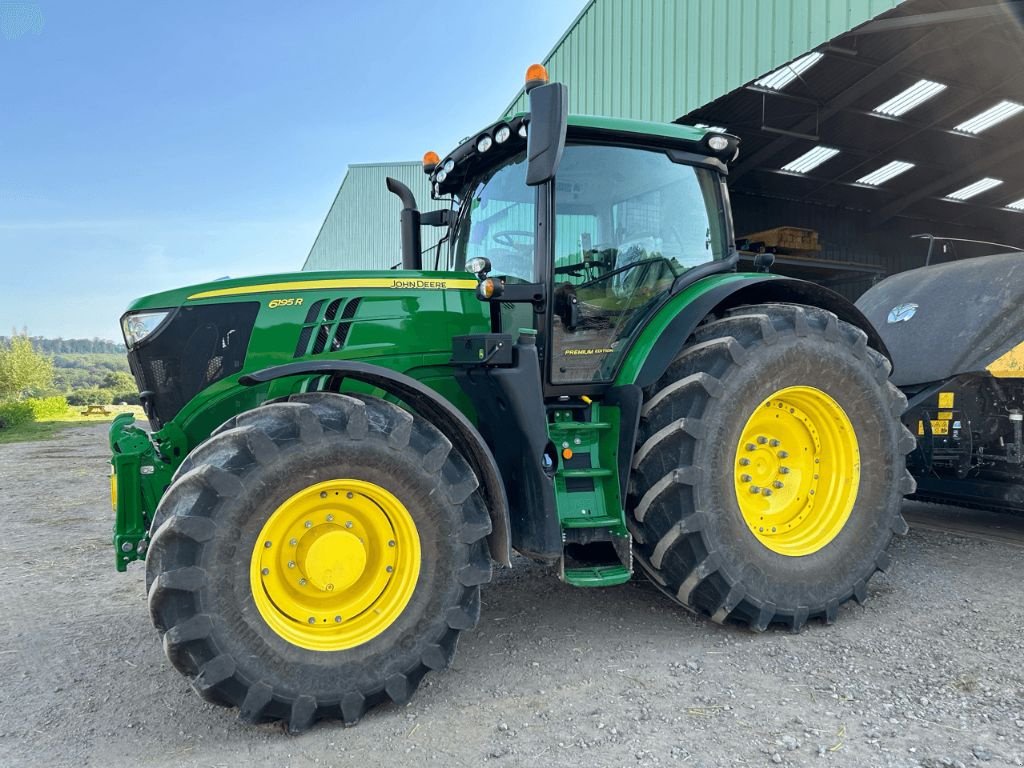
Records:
x=361, y=230
x=659, y=59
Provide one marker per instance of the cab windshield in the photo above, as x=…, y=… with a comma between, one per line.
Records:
x=628, y=222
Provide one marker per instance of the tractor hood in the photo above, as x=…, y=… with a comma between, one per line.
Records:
x=198, y=338
x=947, y=319
x=292, y=282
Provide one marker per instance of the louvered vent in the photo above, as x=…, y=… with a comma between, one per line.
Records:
x=326, y=333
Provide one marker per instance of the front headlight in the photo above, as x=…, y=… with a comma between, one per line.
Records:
x=139, y=325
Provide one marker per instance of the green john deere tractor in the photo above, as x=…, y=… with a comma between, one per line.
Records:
x=336, y=459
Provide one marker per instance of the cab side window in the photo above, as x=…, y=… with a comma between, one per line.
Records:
x=628, y=222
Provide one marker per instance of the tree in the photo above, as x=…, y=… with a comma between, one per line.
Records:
x=119, y=381
x=22, y=369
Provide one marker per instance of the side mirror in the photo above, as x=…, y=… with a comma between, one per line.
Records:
x=549, y=115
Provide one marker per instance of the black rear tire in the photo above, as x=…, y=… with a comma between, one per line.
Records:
x=692, y=540
x=198, y=564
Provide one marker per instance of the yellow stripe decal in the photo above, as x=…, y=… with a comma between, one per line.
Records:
x=399, y=283
x=1010, y=365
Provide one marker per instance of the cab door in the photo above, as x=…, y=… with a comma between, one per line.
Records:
x=628, y=222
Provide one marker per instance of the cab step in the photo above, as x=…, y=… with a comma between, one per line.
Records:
x=597, y=576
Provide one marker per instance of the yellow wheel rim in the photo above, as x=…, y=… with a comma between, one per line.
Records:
x=797, y=471
x=335, y=565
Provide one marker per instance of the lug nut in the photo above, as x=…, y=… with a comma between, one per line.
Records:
x=745, y=478
x=751, y=447
x=391, y=543
x=265, y=571
x=291, y=563
x=783, y=470
x=293, y=542
x=348, y=523
x=783, y=454
x=308, y=524
x=390, y=569
x=777, y=484
x=761, y=439
x=744, y=461
x=766, y=492
x=312, y=619
x=348, y=495
x=302, y=582
x=773, y=443
x=267, y=544
x=337, y=619
x=323, y=494
x=754, y=489
x=330, y=518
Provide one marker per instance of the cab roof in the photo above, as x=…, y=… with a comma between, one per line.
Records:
x=457, y=166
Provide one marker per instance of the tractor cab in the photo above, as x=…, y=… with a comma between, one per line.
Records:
x=580, y=228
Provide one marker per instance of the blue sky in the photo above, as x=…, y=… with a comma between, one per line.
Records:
x=145, y=145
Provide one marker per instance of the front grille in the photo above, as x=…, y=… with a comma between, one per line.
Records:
x=327, y=334
x=196, y=347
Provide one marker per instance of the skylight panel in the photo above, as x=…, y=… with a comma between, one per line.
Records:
x=810, y=160
x=906, y=100
x=991, y=116
x=1017, y=205
x=886, y=172
x=787, y=73
x=966, y=193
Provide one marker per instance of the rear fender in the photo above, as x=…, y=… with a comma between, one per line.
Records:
x=667, y=333
x=430, y=405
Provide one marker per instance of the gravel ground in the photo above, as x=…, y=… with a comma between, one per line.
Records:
x=929, y=673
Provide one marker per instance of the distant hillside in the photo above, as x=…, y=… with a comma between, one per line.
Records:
x=86, y=370
x=72, y=346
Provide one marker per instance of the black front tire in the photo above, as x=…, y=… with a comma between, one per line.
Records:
x=199, y=559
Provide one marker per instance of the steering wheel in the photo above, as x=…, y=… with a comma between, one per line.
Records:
x=514, y=238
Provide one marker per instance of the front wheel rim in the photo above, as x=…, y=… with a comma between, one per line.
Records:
x=335, y=565
x=797, y=471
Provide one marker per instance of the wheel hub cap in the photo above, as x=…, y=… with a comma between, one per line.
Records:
x=335, y=565
x=797, y=471
x=333, y=559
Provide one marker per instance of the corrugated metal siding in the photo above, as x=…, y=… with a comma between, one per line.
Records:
x=361, y=230
x=659, y=59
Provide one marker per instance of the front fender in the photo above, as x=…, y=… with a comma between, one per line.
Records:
x=429, y=404
x=668, y=331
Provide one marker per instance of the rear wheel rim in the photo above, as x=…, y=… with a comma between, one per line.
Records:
x=797, y=471
x=335, y=565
